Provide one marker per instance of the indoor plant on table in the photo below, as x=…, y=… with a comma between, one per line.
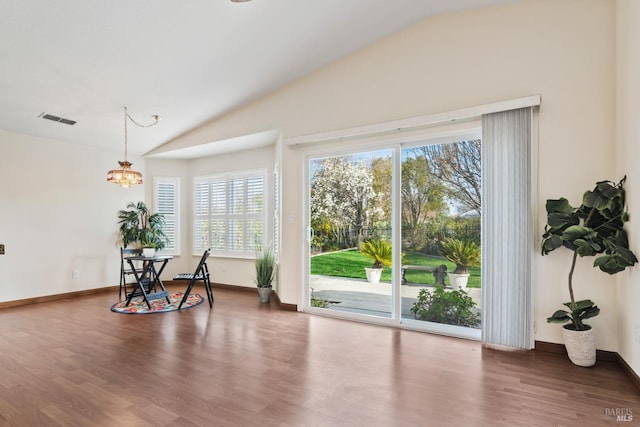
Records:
x=265, y=273
x=139, y=226
x=595, y=228
x=380, y=252
x=463, y=255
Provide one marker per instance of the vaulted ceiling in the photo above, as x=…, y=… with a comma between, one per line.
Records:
x=188, y=61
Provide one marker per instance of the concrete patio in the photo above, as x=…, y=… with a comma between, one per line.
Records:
x=360, y=296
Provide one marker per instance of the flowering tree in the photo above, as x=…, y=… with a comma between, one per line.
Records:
x=342, y=193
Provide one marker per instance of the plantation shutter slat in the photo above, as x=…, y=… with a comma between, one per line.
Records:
x=201, y=212
x=166, y=203
x=231, y=214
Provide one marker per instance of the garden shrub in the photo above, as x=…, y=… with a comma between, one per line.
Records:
x=448, y=307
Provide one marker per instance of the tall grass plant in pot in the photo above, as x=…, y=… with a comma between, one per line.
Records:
x=265, y=274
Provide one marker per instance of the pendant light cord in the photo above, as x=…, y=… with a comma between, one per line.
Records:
x=155, y=117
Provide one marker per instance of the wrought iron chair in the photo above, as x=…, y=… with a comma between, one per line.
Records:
x=201, y=273
x=125, y=270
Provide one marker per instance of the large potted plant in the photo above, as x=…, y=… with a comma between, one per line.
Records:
x=265, y=273
x=595, y=228
x=380, y=252
x=463, y=255
x=141, y=228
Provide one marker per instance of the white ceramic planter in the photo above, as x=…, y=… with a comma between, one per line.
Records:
x=373, y=274
x=148, y=252
x=458, y=281
x=581, y=346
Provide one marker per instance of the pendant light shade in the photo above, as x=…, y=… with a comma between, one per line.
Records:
x=125, y=176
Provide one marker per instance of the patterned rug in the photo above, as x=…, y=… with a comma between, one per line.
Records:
x=138, y=306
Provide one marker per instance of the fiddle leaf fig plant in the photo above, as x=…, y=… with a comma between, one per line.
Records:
x=595, y=228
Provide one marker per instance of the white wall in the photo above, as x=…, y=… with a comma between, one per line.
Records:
x=58, y=214
x=563, y=50
x=225, y=270
x=628, y=126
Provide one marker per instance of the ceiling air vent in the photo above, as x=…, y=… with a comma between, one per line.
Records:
x=57, y=119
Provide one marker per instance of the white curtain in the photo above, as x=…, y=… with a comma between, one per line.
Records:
x=507, y=229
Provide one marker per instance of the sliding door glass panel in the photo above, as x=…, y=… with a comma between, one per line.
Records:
x=350, y=210
x=441, y=211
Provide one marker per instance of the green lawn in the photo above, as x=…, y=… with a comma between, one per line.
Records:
x=351, y=263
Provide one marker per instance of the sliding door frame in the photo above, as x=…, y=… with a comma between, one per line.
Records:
x=394, y=134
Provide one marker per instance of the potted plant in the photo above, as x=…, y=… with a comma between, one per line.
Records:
x=595, y=228
x=265, y=273
x=463, y=255
x=151, y=240
x=449, y=308
x=380, y=252
x=139, y=226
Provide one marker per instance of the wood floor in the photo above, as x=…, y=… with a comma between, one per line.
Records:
x=75, y=363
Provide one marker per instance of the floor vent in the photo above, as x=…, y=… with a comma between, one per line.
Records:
x=57, y=119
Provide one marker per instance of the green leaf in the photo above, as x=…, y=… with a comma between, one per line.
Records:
x=560, y=316
x=611, y=264
x=578, y=232
x=585, y=248
x=595, y=228
x=603, y=195
x=561, y=220
x=559, y=205
x=551, y=243
x=584, y=303
x=595, y=199
x=589, y=313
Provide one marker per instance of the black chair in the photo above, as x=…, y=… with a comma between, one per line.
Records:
x=201, y=273
x=125, y=269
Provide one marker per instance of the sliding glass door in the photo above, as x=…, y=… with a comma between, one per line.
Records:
x=350, y=233
x=441, y=212
x=431, y=192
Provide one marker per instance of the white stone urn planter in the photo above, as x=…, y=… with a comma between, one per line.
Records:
x=581, y=346
x=373, y=274
x=458, y=281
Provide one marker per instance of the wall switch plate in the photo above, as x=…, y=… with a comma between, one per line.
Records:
x=1, y=249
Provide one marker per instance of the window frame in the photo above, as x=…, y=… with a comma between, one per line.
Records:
x=175, y=181
x=227, y=217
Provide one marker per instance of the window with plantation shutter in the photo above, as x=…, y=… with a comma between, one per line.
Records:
x=166, y=202
x=276, y=210
x=229, y=214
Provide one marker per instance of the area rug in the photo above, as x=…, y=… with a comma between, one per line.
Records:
x=138, y=306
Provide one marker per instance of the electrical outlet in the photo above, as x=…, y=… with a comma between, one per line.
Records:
x=75, y=274
x=636, y=334
x=1, y=249
x=223, y=267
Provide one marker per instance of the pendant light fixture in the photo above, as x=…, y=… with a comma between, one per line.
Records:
x=125, y=176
